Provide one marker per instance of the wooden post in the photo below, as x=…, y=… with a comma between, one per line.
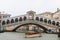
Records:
x=59, y=33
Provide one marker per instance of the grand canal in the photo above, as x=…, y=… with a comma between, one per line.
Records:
x=20, y=36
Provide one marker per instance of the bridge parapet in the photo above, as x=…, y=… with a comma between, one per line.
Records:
x=31, y=21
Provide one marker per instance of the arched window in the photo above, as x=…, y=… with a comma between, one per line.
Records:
x=49, y=21
x=24, y=18
x=20, y=19
x=41, y=19
x=57, y=24
x=53, y=22
x=45, y=20
x=3, y=22
x=16, y=20
x=8, y=21
x=37, y=18
x=12, y=20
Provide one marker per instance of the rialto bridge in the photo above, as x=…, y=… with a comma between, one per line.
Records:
x=13, y=23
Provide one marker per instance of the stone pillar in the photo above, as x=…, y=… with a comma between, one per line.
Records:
x=1, y=28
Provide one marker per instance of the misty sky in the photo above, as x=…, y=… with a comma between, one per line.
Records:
x=20, y=7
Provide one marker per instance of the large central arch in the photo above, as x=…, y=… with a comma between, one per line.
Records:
x=45, y=29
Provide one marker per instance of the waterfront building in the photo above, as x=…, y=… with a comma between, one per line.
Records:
x=55, y=15
x=2, y=16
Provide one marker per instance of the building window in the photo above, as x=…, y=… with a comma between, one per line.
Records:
x=4, y=16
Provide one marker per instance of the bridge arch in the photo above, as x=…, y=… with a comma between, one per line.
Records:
x=49, y=21
x=53, y=22
x=8, y=21
x=20, y=19
x=45, y=29
x=3, y=22
x=57, y=24
x=16, y=19
x=41, y=19
x=45, y=20
x=12, y=20
x=37, y=18
x=24, y=18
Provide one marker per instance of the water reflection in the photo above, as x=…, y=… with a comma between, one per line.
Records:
x=58, y=38
x=20, y=36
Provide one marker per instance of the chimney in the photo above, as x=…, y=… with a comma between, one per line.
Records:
x=58, y=9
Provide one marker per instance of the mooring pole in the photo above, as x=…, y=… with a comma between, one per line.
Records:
x=59, y=32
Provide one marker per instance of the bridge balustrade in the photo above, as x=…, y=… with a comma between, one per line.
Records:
x=49, y=21
x=46, y=25
x=41, y=19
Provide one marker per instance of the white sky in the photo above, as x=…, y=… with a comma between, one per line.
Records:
x=20, y=7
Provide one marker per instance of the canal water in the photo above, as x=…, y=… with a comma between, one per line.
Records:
x=20, y=36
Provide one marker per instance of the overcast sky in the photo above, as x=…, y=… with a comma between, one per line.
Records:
x=20, y=7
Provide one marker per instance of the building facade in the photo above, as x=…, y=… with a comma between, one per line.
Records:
x=55, y=15
x=2, y=16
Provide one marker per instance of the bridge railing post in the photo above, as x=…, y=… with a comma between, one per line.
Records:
x=59, y=32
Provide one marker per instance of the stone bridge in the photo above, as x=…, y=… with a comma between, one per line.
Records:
x=13, y=23
x=43, y=25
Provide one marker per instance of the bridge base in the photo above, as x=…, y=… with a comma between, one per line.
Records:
x=1, y=31
x=9, y=31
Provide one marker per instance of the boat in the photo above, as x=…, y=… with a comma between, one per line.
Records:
x=32, y=34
